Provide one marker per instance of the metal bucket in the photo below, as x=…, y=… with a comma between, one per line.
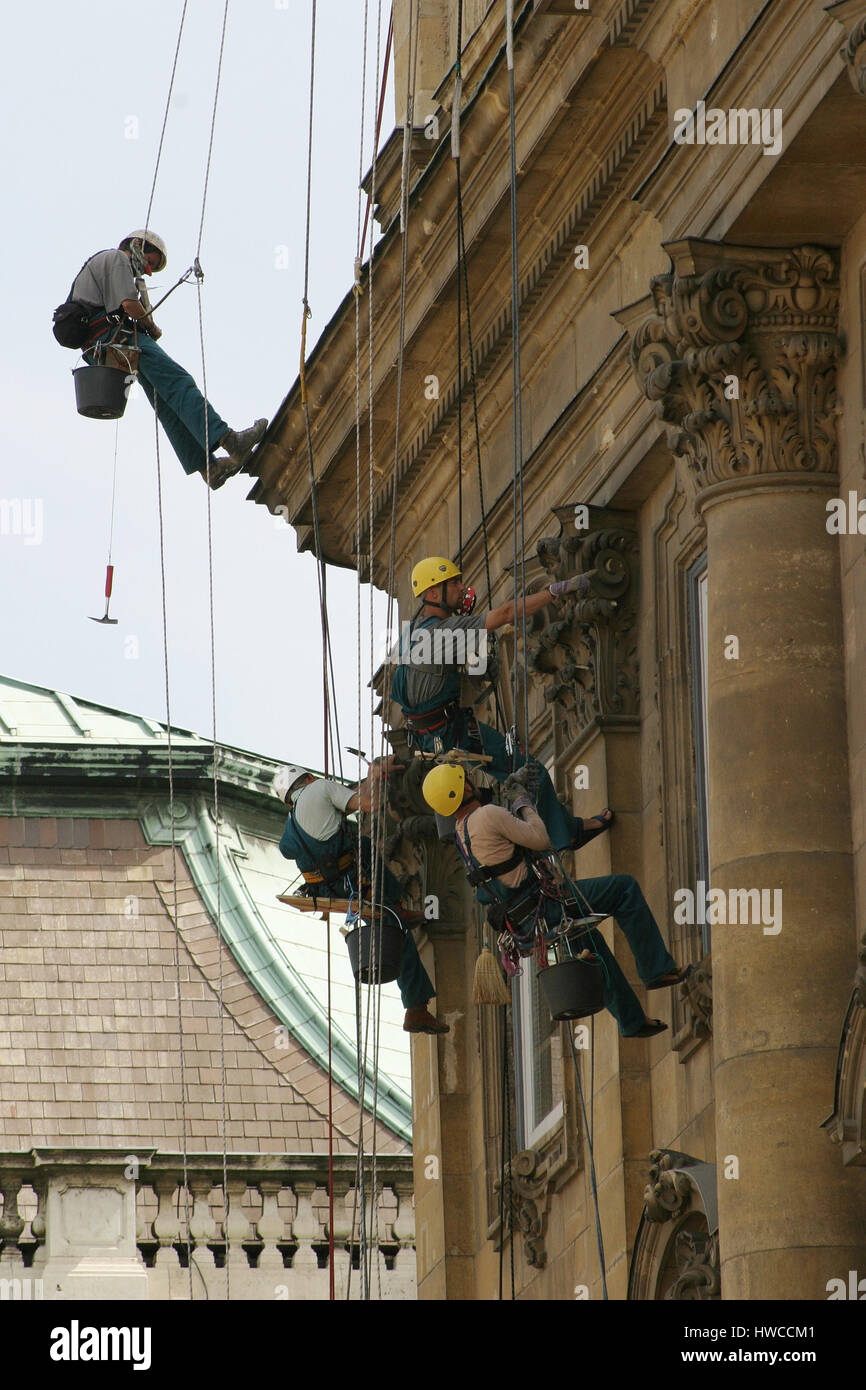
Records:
x=100, y=392
x=387, y=948
x=573, y=988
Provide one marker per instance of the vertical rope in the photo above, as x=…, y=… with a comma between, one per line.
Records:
x=211, y=606
x=587, y=1128
x=165, y=116
x=519, y=558
x=172, y=822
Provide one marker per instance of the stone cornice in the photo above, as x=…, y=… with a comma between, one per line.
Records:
x=282, y=461
x=737, y=348
x=64, y=771
x=689, y=190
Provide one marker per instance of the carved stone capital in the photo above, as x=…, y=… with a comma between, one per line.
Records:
x=584, y=651
x=738, y=354
x=853, y=55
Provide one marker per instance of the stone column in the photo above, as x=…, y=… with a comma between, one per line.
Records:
x=737, y=346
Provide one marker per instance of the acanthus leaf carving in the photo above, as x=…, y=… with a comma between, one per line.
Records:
x=740, y=363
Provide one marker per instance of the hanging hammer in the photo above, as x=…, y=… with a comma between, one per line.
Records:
x=109, y=577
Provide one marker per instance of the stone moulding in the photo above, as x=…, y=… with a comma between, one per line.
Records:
x=676, y=1250
x=587, y=659
x=847, y=1124
x=737, y=349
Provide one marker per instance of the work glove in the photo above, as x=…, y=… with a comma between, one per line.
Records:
x=579, y=584
x=519, y=785
x=518, y=804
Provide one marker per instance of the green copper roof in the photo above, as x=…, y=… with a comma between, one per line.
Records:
x=60, y=755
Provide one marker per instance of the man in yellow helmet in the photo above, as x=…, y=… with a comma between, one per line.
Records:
x=497, y=846
x=446, y=635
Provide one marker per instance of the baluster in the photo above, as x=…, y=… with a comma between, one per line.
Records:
x=342, y=1232
x=403, y=1229
x=166, y=1227
x=305, y=1227
x=236, y=1227
x=11, y=1223
x=37, y=1225
x=202, y=1227
x=270, y=1224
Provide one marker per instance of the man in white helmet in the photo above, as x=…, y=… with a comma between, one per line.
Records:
x=106, y=286
x=324, y=846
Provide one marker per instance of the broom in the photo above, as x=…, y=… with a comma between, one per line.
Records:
x=488, y=986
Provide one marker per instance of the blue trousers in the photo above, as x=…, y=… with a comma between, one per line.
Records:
x=562, y=827
x=180, y=406
x=620, y=896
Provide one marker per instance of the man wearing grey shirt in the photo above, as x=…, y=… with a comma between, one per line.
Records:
x=426, y=684
x=106, y=286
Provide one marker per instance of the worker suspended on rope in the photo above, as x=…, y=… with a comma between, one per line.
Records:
x=324, y=846
x=106, y=288
x=504, y=849
x=426, y=684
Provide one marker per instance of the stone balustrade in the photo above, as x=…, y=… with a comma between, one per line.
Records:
x=98, y=1223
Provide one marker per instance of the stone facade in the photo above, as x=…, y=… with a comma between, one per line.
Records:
x=693, y=359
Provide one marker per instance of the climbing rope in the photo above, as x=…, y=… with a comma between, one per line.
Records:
x=173, y=832
x=587, y=1126
x=517, y=407
x=165, y=115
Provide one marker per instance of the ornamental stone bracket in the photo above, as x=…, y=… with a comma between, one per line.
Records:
x=530, y=1181
x=847, y=1124
x=584, y=652
x=676, y=1251
x=696, y=996
x=853, y=51
x=737, y=349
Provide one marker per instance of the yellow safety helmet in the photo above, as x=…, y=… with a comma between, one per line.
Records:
x=435, y=569
x=443, y=788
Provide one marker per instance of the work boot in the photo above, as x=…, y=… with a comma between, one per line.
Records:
x=420, y=1020
x=240, y=446
x=220, y=471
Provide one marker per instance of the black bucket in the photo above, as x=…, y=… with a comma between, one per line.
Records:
x=100, y=392
x=388, y=949
x=573, y=988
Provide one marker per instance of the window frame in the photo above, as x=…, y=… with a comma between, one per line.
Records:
x=698, y=658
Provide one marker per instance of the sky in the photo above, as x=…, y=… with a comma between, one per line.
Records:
x=80, y=119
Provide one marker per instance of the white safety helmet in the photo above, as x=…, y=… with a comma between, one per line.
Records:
x=146, y=238
x=286, y=779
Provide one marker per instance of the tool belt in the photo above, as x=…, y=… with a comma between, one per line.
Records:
x=518, y=913
x=329, y=869
x=433, y=719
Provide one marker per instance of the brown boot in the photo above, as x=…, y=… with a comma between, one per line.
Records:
x=420, y=1020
